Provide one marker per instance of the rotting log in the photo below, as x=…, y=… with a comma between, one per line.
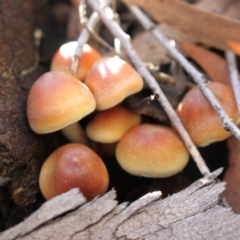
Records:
x=197, y=212
x=21, y=151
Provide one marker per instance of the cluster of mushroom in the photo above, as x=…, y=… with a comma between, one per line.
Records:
x=58, y=100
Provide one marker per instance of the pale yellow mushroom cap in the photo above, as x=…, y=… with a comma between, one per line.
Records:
x=201, y=120
x=110, y=125
x=111, y=80
x=57, y=100
x=63, y=57
x=152, y=151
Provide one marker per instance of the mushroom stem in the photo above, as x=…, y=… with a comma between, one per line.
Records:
x=75, y=134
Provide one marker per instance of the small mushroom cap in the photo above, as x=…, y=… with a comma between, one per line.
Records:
x=73, y=165
x=111, y=80
x=62, y=59
x=201, y=120
x=110, y=125
x=57, y=100
x=151, y=151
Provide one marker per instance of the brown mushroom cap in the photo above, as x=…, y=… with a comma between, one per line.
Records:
x=201, y=120
x=62, y=59
x=151, y=151
x=73, y=165
x=57, y=100
x=110, y=125
x=111, y=80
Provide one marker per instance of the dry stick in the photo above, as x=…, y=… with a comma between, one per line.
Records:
x=84, y=36
x=233, y=71
x=124, y=38
x=198, y=77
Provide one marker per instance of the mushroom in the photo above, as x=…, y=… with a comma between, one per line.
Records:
x=201, y=120
x=57, y=100
x=151, y=150
x=73, y=165
x=63, y=57
x=110, y=125
x=111, y=80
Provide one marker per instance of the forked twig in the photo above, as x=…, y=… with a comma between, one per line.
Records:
x=139, y=65
x=198, y=77
x=84, y=36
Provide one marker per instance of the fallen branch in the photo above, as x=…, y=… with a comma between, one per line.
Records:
x=139, y=65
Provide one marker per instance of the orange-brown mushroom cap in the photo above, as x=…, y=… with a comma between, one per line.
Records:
x=201, y=120
x=151, y=151
x=111, y=80
x=62, y=59
x=110, y=125
x=73, y=165
x=57, y=100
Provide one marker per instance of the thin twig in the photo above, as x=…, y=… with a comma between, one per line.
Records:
x=198, y=77
x=233, y=72
x=139, y=65
x=84, y=36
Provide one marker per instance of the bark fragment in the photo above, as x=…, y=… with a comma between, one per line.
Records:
x=194, y=213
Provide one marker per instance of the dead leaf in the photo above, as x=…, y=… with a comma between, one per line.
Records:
x=214, y=65
x=213, y=6
x=234, y=46
x=233, y=10
x=179, y=75
x=228, y=8
x=173, y=33
x=144, y=43
x=204, y=27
